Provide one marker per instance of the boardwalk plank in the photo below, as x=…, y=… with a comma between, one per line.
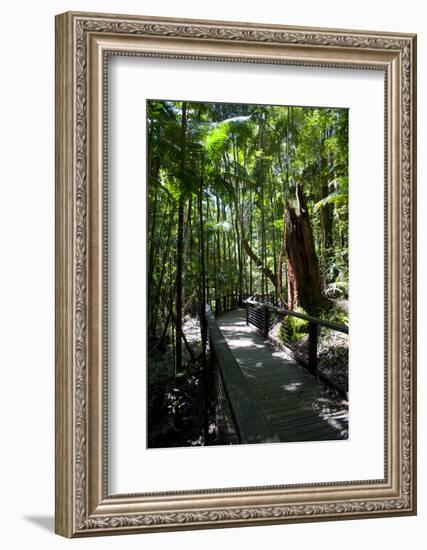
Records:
x=307, y=433
x=315, y=426
x=294, y=402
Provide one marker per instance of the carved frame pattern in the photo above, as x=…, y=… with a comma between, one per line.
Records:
x=82, y=510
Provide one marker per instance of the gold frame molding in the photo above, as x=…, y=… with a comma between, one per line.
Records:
x=83, y=43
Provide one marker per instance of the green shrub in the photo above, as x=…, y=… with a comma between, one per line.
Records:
x=338, y=315
x=293, y=328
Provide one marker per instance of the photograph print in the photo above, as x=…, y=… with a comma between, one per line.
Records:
x=247, y=273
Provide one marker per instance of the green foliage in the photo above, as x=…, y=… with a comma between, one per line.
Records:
x=221, y=133
x=237, y=171
x=217, y=138
x=338, y=195
x=339, y=313
x=293, y=328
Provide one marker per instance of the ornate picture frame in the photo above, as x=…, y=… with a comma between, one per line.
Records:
x=84, y=506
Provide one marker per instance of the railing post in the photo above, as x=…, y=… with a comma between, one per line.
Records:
x=312, y=347
x=266, y=321
x=247, y=314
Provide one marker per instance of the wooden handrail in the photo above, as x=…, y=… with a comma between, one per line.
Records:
x=321, y=322
x=262, y=323
x=250, y=423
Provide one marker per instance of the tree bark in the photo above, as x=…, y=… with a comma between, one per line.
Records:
x=327, y=211
x=292, y=285
x=279, y=283
x=302, y=263
x=273, y=216
x=285, y=185
x=203, y=323
x=218, y=284
x=180, y=247
x=155, y=290
x=250, y=237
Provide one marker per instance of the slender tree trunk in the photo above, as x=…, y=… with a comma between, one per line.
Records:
x=238, y=218
x=152, y=177
x=218, y=285
x=327, y=209
x=153, y=171
x=225, y=261
x=280, y=286
x=158, y=244
x=155, y=293
x=274, y=245
x=180, y=245
x=190, y=249
x=160, y=341
x=251, y=288
x=227, y=255
x=214, y=260
x=261, y=187
x=209, y=256
x=235, y=286
x=285, y=186
x=203, y=323
x=171, y=293
x=263, y=250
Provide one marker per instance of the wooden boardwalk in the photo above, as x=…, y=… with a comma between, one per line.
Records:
x=296, y=404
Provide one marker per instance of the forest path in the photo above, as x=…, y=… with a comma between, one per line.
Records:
x=296, y=404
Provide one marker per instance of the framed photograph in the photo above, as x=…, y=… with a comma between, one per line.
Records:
x=235, y=274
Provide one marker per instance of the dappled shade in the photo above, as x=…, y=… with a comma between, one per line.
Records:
x=296, y=404
x=246, y=200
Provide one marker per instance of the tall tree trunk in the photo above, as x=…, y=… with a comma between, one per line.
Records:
x=303, y=265
x=154, y=240
x=229, y=257
x=214, y=258
x=238, y=217
x=180, y=245
x=264, y=284
x=251, y=281
x=203, y=323
x=155, y=290
x=279, y=279
x=261, y=187
x=235, y=285
x=173, y=325
x=285, y=186
x=217, y=252
x=154, y=168
x=327, y=209
x=224, y=253
x=189, y=250
x=273, y=217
